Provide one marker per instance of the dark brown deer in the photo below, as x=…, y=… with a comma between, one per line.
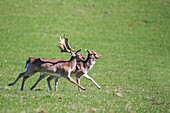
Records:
x=61, y=68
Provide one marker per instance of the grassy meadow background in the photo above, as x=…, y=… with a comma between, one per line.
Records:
x=132, y=35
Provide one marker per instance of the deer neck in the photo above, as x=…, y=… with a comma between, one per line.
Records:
x=73, y=63
x=90, y=62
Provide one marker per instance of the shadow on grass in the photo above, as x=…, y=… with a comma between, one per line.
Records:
x=38, y=90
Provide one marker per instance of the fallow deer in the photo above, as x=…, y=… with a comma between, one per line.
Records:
x=48, y=66
x=82, y=68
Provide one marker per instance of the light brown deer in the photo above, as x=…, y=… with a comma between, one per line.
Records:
x=61, y=68
x=82, y=68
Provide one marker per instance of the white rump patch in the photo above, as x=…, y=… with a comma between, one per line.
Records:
x=27, y=66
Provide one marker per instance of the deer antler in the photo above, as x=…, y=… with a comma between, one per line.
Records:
x=64, y=44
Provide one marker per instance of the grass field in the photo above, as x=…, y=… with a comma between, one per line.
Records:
x=133, y=37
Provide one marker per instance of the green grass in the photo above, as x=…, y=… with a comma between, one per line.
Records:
x=133, y=37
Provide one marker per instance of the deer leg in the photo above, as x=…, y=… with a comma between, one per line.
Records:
x=56, y=84
x=48, y=81
x=39, y=79
x=78, y=82
x=15, y=81
x=23, y=81
x=72, y=81
x=89, y=78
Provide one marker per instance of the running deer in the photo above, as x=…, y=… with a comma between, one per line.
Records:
x=60, y=68
x=82, y=68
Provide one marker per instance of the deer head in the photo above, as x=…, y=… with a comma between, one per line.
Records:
x=94, y=54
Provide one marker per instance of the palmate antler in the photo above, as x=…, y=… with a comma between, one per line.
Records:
x=64, y=44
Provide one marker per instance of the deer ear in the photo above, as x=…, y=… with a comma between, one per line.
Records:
x=78, y=50
x=87, y=51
